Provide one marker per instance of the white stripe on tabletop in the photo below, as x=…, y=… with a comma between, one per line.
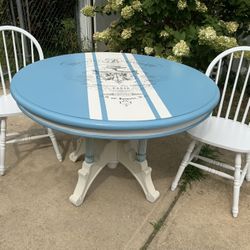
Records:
x=124, y=100
x=92, y=89
x=152, y=94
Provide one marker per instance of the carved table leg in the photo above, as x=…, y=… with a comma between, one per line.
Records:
x=137, y=164
x=86, y=176
x=111, y=153
x=80, y=150
x=92, y=165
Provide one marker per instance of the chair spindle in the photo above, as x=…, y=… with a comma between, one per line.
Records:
x=2, y=79
x=234, y=86
x=23, y=51
x=15, y=51
x=6, y=56
x=242, y=94
x=225, y=86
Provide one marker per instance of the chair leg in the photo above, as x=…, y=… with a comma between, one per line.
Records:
x=248, y=170
x=198, y=150
x=55, y=144
x=3, y=124
x=236, y=192
x=183, y=165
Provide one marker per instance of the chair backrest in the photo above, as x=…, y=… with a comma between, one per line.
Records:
x=230, y=70
x=18, y=48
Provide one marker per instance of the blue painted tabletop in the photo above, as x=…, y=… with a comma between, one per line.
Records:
x=114, y=91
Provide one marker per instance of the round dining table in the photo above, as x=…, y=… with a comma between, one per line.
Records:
x=116, y=102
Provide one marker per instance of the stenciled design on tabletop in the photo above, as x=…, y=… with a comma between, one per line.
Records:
x=114, y=71
x=119, y=90
x=117, y=81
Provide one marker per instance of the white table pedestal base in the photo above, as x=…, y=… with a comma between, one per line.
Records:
x=110, y=153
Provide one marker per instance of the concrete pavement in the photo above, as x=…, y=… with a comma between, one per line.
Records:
x=201, y=219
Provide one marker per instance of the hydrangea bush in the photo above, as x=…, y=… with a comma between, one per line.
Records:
x=188, y=31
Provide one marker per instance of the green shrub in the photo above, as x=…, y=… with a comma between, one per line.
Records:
x=64, y=41
x=188, y=31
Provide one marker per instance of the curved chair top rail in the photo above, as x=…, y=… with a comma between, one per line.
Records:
x=27, y=34
x=231, y=70
x=223, y=54
x=17, y=49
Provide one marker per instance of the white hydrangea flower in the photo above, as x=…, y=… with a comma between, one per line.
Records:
x=107, y=8
x=119, y=2
x=164, y=33
x=127, y=12
x=102, y=36
x=149, y=50
x=207, y=34
x=200, y=7
x=136, y=5
x=231, y=27
x=126, y=33
x=181, y=49
x=88, y=10
x=182, y=4
x=115, y=4
x=134, y=51
x=224, y=42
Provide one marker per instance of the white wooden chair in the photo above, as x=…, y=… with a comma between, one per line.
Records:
x=227, y=128
x=17, y=49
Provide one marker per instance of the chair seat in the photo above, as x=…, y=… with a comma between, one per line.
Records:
x=8, y=106
x=223, y=133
